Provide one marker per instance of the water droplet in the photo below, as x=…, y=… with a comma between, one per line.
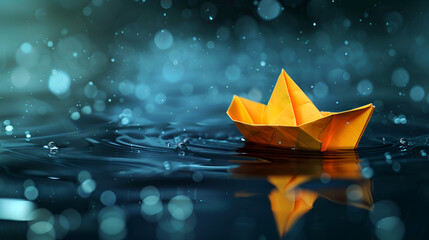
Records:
x=52, y=147
x=9, y=129
x=167, y=165
x=27, y=135
x=182, y=146
x=403, y=141
x=388, y=157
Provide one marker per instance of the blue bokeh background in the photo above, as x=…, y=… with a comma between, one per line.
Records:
x=137, y=62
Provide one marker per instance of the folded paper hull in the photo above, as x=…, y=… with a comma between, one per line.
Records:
x=333, y=131
x=291, y=120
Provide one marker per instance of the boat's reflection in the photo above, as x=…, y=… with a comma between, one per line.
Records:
x=335, y=176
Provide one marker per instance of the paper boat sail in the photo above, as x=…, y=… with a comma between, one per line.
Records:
x=291, y=120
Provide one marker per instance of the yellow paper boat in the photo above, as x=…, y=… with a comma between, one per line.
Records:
x=291, y=120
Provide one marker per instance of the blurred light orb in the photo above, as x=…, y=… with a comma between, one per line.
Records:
x=180, y=207
x=59, y=82
x=41, y=227
x=347, y=23
x=99, y=105
x=354, y=193
x=108, y=198
x=86, y=110
x=255, y=95
x=20, y=77
x=339, y=77
x=83, y=175
x=394, y=22
x=151, y=205
x=28, y=183
x=40, y=14
x=400, y=77
x=31, y=193
x=320, y=90
x=210, y=44
x=150, y=108
x=75, y=116
x=166, y=4
x=367, y=172
x=208, y=11
x=149, y=191
x=26, y=47
x=390, y=228
x=172, y=73
x=112, y=225
x=90, y=90
x=126, y=87
x=97, y=2
x=88, y=186
x=269, y=9
x=232, y=72
x=365, y=87
x=87, y=11
x=384, y=208
x=30, y=59
x=163, y=39
x=160, y=98
x=417, y=93
x=142, y=91
x=73, y=218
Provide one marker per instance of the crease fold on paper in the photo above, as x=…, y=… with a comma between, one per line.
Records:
x=291, y=120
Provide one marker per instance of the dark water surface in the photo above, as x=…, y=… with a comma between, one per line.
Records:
x=203, y=181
